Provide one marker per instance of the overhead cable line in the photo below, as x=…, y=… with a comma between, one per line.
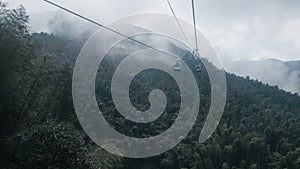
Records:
x=107, y=28
x=195, y=30
x=178, y=23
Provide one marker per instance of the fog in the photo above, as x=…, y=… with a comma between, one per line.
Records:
x=245, y=33
x=271, y=71
x=239, y=29
x=286, y=75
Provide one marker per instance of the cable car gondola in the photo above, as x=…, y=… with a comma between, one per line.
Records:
x=178, y=65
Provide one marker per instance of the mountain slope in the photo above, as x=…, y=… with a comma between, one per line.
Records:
x=260, y=127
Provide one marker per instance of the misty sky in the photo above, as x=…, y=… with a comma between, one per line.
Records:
x=239, y=29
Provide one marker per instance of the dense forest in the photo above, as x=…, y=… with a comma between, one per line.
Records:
x=260, y=128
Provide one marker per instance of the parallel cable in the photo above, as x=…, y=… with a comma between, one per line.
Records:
x=105, y=27
x=195, y=30
x=178, y=23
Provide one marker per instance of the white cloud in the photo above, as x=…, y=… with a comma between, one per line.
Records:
x=239, y=29
x=291, y=33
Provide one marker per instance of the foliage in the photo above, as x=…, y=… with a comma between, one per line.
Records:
x=15, y=54
x=50, y=145
x=260, y=127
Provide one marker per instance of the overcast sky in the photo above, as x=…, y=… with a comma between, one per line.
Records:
x=239, y=29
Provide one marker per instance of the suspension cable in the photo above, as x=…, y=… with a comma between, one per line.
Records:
x=194, y=20
x=178, y=23
x=107, y=28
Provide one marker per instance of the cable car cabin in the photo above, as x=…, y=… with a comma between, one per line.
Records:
x=198, y=68
x=178, y=65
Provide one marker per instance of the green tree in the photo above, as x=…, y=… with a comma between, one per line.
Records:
x=15, y=54
x=50, y=145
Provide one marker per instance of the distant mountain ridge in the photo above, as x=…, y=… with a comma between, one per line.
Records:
x=286, y=75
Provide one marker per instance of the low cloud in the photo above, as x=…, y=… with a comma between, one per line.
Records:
x=286, y=75
x=291, y=33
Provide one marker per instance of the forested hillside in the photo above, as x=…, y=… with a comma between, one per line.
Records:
x=260, y=128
